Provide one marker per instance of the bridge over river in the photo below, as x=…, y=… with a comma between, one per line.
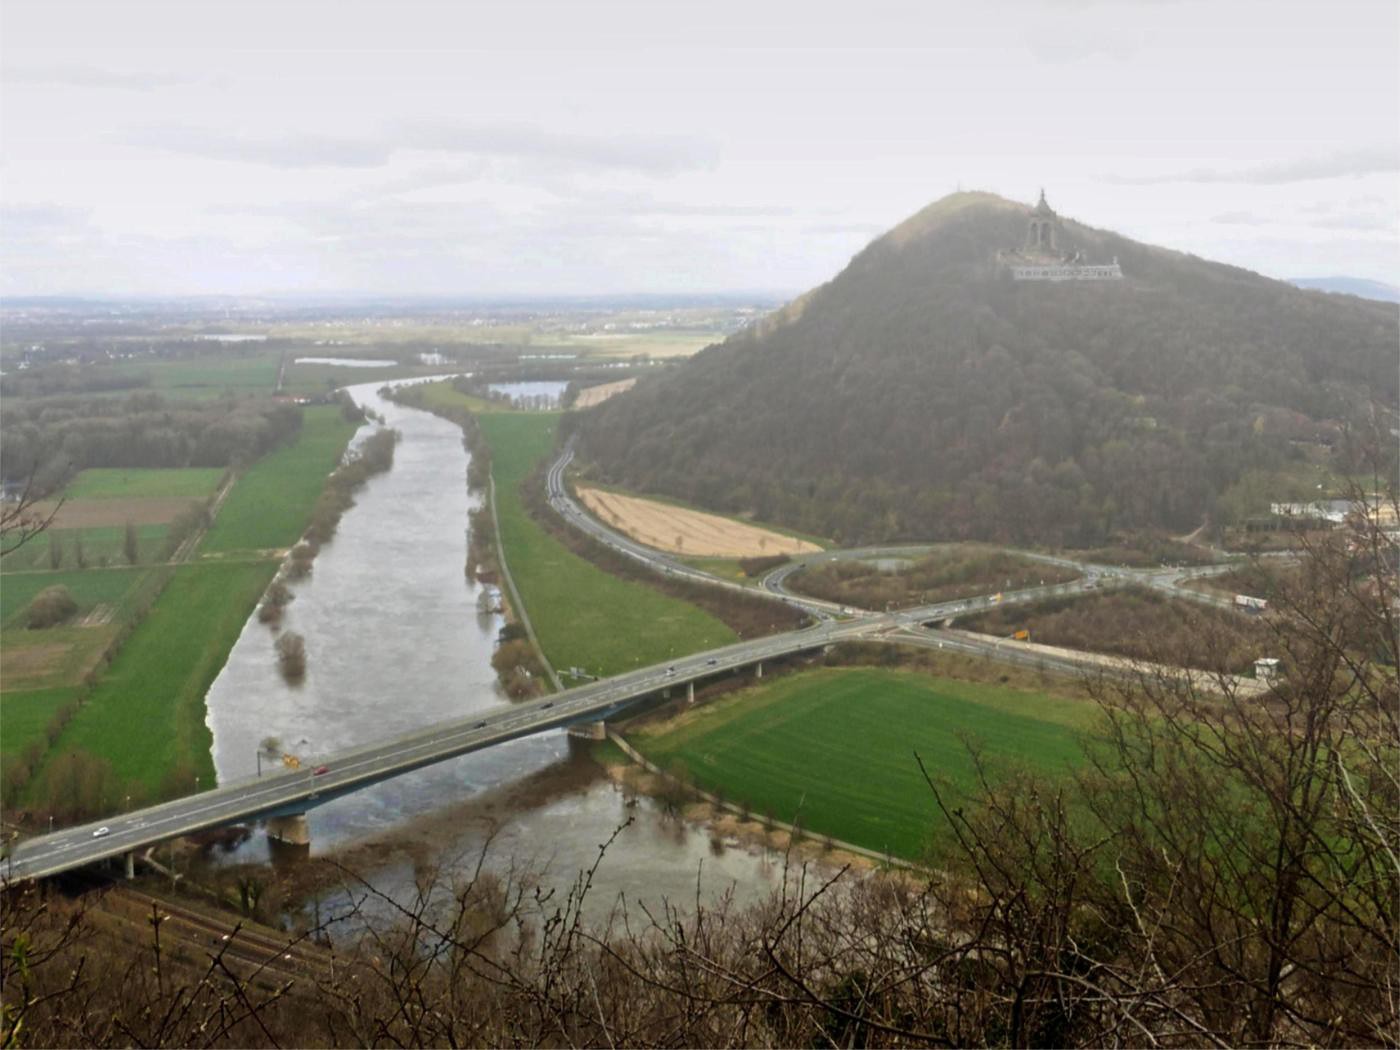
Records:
x=284, y=794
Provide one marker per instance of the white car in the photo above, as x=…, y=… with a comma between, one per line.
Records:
x=101, y=833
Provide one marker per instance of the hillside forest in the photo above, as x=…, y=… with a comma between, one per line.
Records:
x=925, y=394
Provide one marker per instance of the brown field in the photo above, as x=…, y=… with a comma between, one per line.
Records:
x=690, y=532
x=63, y=657
x=596, y=395
x=92, y=513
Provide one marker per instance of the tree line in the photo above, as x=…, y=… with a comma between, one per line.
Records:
x=52, y=439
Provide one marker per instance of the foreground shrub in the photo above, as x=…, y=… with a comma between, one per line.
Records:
x=50, y=607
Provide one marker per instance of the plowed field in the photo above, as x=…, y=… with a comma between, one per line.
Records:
x=677, y=530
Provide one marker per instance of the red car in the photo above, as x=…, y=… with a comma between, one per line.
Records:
x=320, y=771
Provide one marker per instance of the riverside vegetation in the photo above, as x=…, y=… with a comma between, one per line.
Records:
x=590, y=608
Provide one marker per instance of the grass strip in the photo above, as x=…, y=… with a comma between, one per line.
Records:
x=146, y=715
x=270, y=506
x=584, y=617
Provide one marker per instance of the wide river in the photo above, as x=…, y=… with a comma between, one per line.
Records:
x=395, y=641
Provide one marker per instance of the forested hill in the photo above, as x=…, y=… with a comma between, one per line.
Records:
x=924, y=393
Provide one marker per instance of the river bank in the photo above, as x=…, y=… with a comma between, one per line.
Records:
x=395, y=641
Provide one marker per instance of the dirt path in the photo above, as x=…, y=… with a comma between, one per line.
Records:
x=98, y=616
x=186, y=549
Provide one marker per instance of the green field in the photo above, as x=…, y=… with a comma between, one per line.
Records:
x=89, y=587
x=146, y=715
x=99, y=542
x=584, y=617
x=835, y=748
x=194, y=483
x=440, y=396
x=24, y=714
x=317, y=379
x=212, y=373
x=270, y=506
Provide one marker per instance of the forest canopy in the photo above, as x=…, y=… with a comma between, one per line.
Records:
x=51, y=439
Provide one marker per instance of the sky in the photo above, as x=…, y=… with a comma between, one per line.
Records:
x=539, y=147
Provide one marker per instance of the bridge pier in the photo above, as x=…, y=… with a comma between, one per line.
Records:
x=758, y=671
x=293, y=830
x=690, y=692
x=129, y=860
x=589, y=730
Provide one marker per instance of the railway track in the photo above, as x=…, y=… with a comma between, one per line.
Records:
x=254, y=950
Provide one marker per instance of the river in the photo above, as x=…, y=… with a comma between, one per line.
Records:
x=395, y=641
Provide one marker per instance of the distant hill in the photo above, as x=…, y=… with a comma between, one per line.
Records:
x=923, y=392
x=1366, y=289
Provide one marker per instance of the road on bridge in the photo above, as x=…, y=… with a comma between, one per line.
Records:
x=294, y=792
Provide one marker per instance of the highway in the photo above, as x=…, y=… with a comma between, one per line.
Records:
x=666, y=564
x=295, y=791
x=328, y=776
x=773, y=585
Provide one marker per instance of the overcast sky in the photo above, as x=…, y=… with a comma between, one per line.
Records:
x=488, y=147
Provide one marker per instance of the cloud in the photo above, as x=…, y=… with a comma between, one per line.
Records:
x=1241, y=218
x=1347, y=164
x=646, y=154
x=278, y=151
x=844, y=229
x=654, y=154
x=1358, y=220
x=1362, y=221
x=96, y=77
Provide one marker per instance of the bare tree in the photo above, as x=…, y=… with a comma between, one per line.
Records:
x=24, y=518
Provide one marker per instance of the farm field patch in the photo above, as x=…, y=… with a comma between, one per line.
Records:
x=89, y=588
x=24, y=715
x=311, y=378
x=98, y=483
x=102, y=546
x=211, y=374
x=57, y=656
x=116, y=511
x=679, y=530
x=835, y=748
x=584, y=616
x=596, y=395
x=440, y=396
x=146, y=715
x=270, y=506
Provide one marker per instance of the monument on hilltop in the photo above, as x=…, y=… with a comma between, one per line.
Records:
x=1043, y=259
